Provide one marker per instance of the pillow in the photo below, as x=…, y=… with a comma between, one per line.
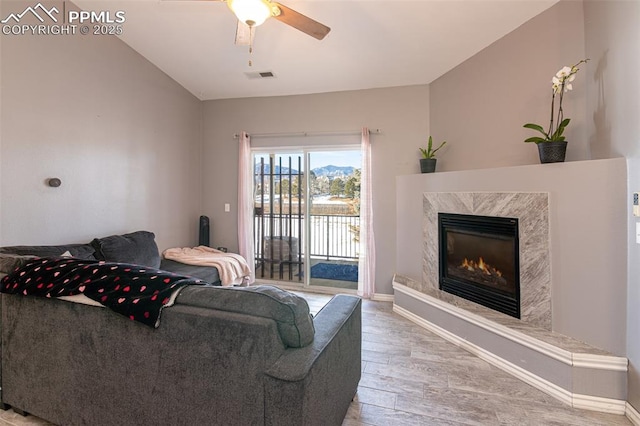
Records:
x=139, y=248
x=12, y=262
x=291, y=312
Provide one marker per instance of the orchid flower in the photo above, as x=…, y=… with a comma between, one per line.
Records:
x=560, y=84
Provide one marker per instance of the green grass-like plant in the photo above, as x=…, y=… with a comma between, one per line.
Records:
x=429, y=152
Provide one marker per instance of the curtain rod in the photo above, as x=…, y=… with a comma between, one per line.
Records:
x=304, y=134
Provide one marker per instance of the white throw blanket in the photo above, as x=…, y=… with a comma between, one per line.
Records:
x=233, y=268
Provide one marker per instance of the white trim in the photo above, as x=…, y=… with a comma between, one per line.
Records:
x=599, y=362
x=603, y=362
x=632, y=414
x=596, y=403
x=380, y=297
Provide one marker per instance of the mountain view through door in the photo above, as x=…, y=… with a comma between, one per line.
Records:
x=308, y=236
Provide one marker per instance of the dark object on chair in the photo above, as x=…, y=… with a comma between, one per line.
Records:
x=204, y=231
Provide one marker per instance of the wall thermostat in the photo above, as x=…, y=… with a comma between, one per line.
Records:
x=636, y=204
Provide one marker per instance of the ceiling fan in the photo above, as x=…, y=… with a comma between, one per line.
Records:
x=255, y=12
x=251, y=13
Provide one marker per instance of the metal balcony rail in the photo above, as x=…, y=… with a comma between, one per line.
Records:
x=331, y=236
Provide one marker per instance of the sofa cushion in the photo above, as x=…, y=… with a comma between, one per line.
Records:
x=290, y=311
x=79, y=251
x=138, y=247
x=10, y=262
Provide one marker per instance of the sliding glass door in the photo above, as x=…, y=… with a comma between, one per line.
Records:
x=334, y=218
x=306, y=224
x=279, y=216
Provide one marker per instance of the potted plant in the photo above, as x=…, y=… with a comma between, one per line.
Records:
x=552, y=147
x=428, y=160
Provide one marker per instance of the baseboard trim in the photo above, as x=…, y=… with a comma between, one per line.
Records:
x=606, y=405
x=632, y=414
x=595, y=403
x=379, y=297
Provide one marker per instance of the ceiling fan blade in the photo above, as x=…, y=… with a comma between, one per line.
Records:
x=300, y=22
x=243, y=34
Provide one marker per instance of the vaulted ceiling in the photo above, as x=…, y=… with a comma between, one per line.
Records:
x=372, y=43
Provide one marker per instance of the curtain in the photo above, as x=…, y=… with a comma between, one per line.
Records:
x=245, y=204
x=367, y=258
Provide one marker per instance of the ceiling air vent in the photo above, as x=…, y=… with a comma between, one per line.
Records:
x=261, y=74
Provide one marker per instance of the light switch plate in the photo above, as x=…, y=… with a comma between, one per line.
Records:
x=227, y=207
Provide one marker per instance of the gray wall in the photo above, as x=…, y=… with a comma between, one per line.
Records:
x=124, y=138
x=401, y=113
x=481, y=105
x=612, y=39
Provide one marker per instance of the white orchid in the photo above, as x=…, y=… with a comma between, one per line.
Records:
x=564, y=72
x=560, y=84
x=564, y=77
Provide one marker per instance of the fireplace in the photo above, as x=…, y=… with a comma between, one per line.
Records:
x=479, y=260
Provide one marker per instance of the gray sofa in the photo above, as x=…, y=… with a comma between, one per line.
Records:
x=241, y=356
x=137, y=247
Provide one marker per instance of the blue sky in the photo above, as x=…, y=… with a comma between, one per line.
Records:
x=324, y=158
x=336, y=158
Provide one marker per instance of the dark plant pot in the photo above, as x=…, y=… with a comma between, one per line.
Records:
x=552, y=152
x=427, y=165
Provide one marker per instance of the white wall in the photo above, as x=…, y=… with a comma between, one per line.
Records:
x=124, y=138
x=401, y=113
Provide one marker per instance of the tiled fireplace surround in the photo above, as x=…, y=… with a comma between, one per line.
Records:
x=535, y=348
x=532, y=212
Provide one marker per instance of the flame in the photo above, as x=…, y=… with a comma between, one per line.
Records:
x=480, y=265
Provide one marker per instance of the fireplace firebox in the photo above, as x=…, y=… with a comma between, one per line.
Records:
x=479, y=260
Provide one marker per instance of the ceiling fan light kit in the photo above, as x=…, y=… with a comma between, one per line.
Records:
x=252, y=12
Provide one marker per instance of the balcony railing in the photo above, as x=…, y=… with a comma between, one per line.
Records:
x=331, y=236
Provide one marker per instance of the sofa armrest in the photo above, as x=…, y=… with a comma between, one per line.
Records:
x=209, y=274
x=329, y=369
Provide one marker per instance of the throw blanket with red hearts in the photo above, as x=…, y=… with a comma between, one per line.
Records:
x=137, y=292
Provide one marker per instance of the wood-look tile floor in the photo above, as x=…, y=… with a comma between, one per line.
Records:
x=410, y=376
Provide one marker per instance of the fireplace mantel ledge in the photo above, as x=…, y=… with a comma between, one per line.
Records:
x=565, y=368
